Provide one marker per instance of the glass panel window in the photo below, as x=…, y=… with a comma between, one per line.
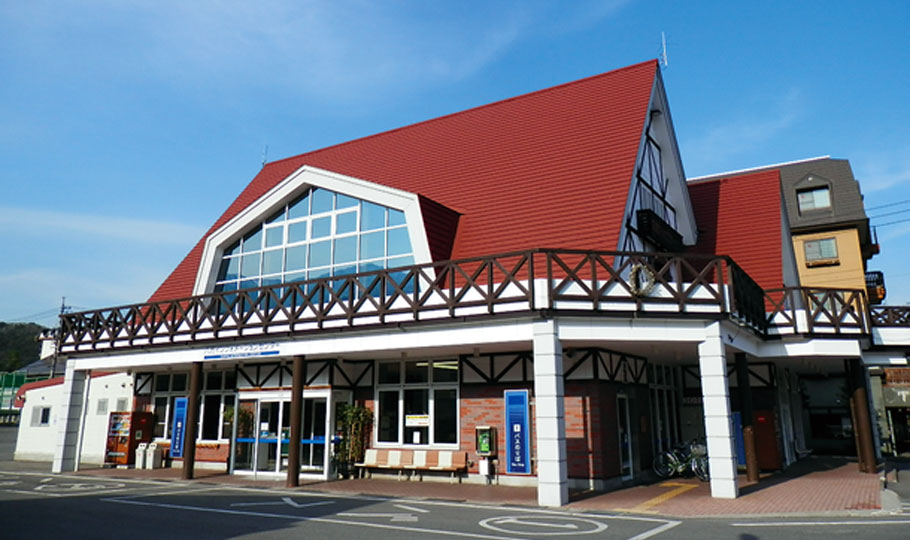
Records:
x=372, y=245
x=321, y=254
x=416, y=372
x=162, y=382
x=820, y=250
x=323, y=201
x=396, y=217
x=417, y=416
x=296, y=257
x=274, y=236
x=399, y=244
x=322, y=227
x=178, y=382
x=297, y=232
x=814, y=199
x=345, y=250
x=213, y=380
x=271, y=261
x=445, y=371
x=249, y=267
x=252, y=241
x=346, y=223
x=299, y=207
x=372, y=216
x=345, y=233
x=388, y=417
x=445, y=416
x=389, y=373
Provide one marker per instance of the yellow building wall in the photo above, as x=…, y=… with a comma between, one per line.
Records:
x=848, y=273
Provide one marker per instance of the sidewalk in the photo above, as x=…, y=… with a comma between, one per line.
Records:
x=815, y=485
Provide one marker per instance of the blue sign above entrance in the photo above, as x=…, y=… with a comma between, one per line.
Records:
x=518, y=432
x=178, y=427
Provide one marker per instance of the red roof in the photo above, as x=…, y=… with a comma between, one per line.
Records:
x=546, y=169
x=741, y=217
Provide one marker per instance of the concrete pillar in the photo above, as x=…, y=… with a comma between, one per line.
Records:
x=549, y=389
x=745, y=408
x=69, y=420
x=293, y=479
x=715, y=393
x=192, y=421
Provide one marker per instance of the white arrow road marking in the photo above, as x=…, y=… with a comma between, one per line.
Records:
x=392, y=517
x=9, y=483
x=412, y=508
x=518, y=521
x=284, y=500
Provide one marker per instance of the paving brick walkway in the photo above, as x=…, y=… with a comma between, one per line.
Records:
x=813, y=486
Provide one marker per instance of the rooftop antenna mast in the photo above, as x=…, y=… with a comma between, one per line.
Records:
x=663, y=51
x=265, y=155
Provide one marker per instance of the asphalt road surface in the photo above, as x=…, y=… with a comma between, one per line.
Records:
x=37, y=505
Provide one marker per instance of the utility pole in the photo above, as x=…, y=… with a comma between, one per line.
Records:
x=56, y=335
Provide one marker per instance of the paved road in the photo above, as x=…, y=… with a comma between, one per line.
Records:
x=37, y=505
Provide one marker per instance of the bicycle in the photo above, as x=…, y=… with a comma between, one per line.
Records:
x=683, y=459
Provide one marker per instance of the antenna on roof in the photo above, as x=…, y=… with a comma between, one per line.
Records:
x=663, y=51
x=265, y=155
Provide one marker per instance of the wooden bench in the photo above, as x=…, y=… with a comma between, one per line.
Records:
x=414, y=461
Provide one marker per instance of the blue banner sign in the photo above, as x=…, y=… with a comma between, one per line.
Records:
x=178, y=427
x=518, y=436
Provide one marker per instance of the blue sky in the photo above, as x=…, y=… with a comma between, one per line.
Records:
x=127, y=127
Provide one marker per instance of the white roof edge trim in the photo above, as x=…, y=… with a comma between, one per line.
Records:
x=307, y=175
x=754, y=169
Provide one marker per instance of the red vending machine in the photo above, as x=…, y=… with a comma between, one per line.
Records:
x=124, y=433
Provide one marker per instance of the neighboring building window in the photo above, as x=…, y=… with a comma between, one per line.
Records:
x=216, y=410
x=417, y=402
x=820, y=251
x=814, y=199
x=41, y=416
x=102, y=406
x=123, y=405
x=319, y=234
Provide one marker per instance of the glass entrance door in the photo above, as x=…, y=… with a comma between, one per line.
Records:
x=625, y=436
x=263, y=435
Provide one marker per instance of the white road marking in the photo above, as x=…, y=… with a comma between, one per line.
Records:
x=412, y=508
x=391, y=517
x=460, y=534
x=284, y=500
x=571, y=525
x=817, y=523
x=654, y=532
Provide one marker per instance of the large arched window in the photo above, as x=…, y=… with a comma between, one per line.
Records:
x=317, y=235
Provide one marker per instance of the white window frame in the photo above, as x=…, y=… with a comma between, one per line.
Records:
x=431, y=386
x=170, y=394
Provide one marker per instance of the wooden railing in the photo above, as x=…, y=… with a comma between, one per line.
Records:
x=814, y=310
x=890, y=315
x=646, y=284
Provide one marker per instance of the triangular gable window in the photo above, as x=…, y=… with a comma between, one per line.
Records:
x=318, y=234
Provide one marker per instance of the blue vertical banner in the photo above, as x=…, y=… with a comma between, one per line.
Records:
x=177, y=430
x=518, y=428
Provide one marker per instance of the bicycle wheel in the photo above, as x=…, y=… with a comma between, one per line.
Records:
x=664, y=465
x=700, y=468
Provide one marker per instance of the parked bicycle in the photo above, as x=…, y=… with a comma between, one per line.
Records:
x=685, y=458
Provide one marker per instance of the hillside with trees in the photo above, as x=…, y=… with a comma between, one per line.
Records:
x=18, y=345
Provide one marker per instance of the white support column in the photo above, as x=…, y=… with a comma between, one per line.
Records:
x=552, y=470
x=69, y=420
x=715, y=393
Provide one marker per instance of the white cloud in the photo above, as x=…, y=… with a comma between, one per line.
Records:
x=54, y=224
x=329, y=49
x=883, y=170
x=740, y=134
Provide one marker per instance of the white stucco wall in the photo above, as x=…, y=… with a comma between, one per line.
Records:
x=37, y=442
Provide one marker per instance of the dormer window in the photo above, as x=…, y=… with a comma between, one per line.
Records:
x=818, y=198
x=319, y=234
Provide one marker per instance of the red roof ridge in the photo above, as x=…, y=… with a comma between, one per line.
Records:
x=464, y=111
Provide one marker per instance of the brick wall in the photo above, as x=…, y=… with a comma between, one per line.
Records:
x=482, y=405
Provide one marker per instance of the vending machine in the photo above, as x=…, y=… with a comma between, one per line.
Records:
x=124, y=433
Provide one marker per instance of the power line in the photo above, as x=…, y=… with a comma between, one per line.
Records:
x=905, y=201
x=37, y=316
x=904, y=211
x=892, y=222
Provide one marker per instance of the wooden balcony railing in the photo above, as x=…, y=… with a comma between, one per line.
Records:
x=565, y=281
x=890, y=316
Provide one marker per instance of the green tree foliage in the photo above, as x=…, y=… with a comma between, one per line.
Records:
x=18, y=345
